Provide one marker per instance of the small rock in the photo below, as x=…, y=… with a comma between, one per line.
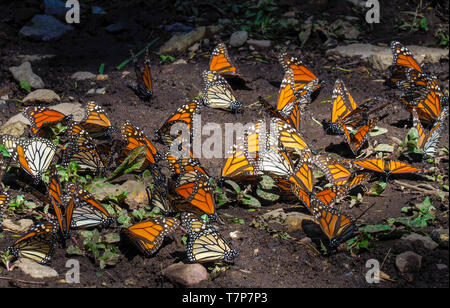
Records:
x=82, y=76
x=100, y=91
x=19, y=226
x=186, y=274
x=181, y=42
x=306, y=240
x=194, y=47
x=294, y=221
x=41, y=96
x=260, y=43
x=90, y=92
x=238, y=38
x=440, y=236
x=408, y=262
x=24, y=72
x=425, y=240
x=101, y=77
x=34, y=269
x=441, y=266
x=236, y=234
x=179, y=61
x=15, y=129
x=45, y=28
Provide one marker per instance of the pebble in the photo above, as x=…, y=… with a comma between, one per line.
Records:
x=425, y=240
x=238, y=38
x=260, y=43
x=24, y=73
x=41, y=96
x=82, y=76
x=19, y=226
x=45, y=28
x=186, y=274
x=181, y=42
x=408, y=262
x=33, y=269
x=441, y=267
x=101, y=77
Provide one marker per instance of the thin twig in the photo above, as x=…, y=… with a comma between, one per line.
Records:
x=427, y=189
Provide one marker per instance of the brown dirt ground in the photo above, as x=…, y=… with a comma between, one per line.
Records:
x=264, y=260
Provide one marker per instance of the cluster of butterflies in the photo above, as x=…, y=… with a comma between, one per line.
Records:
x=76, y=208
x=421, y=95
x=188, y=193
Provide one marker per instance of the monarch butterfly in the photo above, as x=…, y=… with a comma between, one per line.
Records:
x=194, y=187
x=149, y=235
x=403, y=62
x=293, y=111
x=56, y=199
x=381, y=166
x=290, y=138
x=276, y=162
x=334, y=194
x=82, y=150
x=40, y=117
x=135, y=138
x=192, y=223
x=86, y=212
x=357, y=139
x=205, y=244
x=334, y=171
x=220, y=62
x=184, y=114
x=159, y=198
x=218, y=93
x=428, y=105
x=337, y=226
x=429, y=143
x=37, y=244
x=303, y=79
x=303, y=176
x=144, y=89
x=181, y=163
x=4, y=201
x=34, y=155
x=96, y=121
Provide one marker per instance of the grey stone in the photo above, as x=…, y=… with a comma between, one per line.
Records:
x=24, y=72
x=181, y=42
x=19, y=226
x=56, y=8
x=82, y=76
x=35, y=270
x=45, y=28
x=41, y=96
x=260, y=43
x=186, y=274
x=408, y=262
x=425, y=240
x=238, y=38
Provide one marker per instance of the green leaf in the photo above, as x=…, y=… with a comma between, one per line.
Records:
x=378, y=131
x=4, y=151
x=234, y=185
x=375, y=228
x=101, y=68
x=383, y=147
x=267, y=182
x=134, y=161
x=112, y=238
x=74, y=250
x=26, y=86
x=266, y=195
x=251, y=201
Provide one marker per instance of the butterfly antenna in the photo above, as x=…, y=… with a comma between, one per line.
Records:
x=364, y=212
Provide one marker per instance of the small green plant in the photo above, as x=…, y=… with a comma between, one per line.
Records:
x=102, y=248
x=26, y=86
x=166, y=58
x=422, y=215
x=101, y=68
